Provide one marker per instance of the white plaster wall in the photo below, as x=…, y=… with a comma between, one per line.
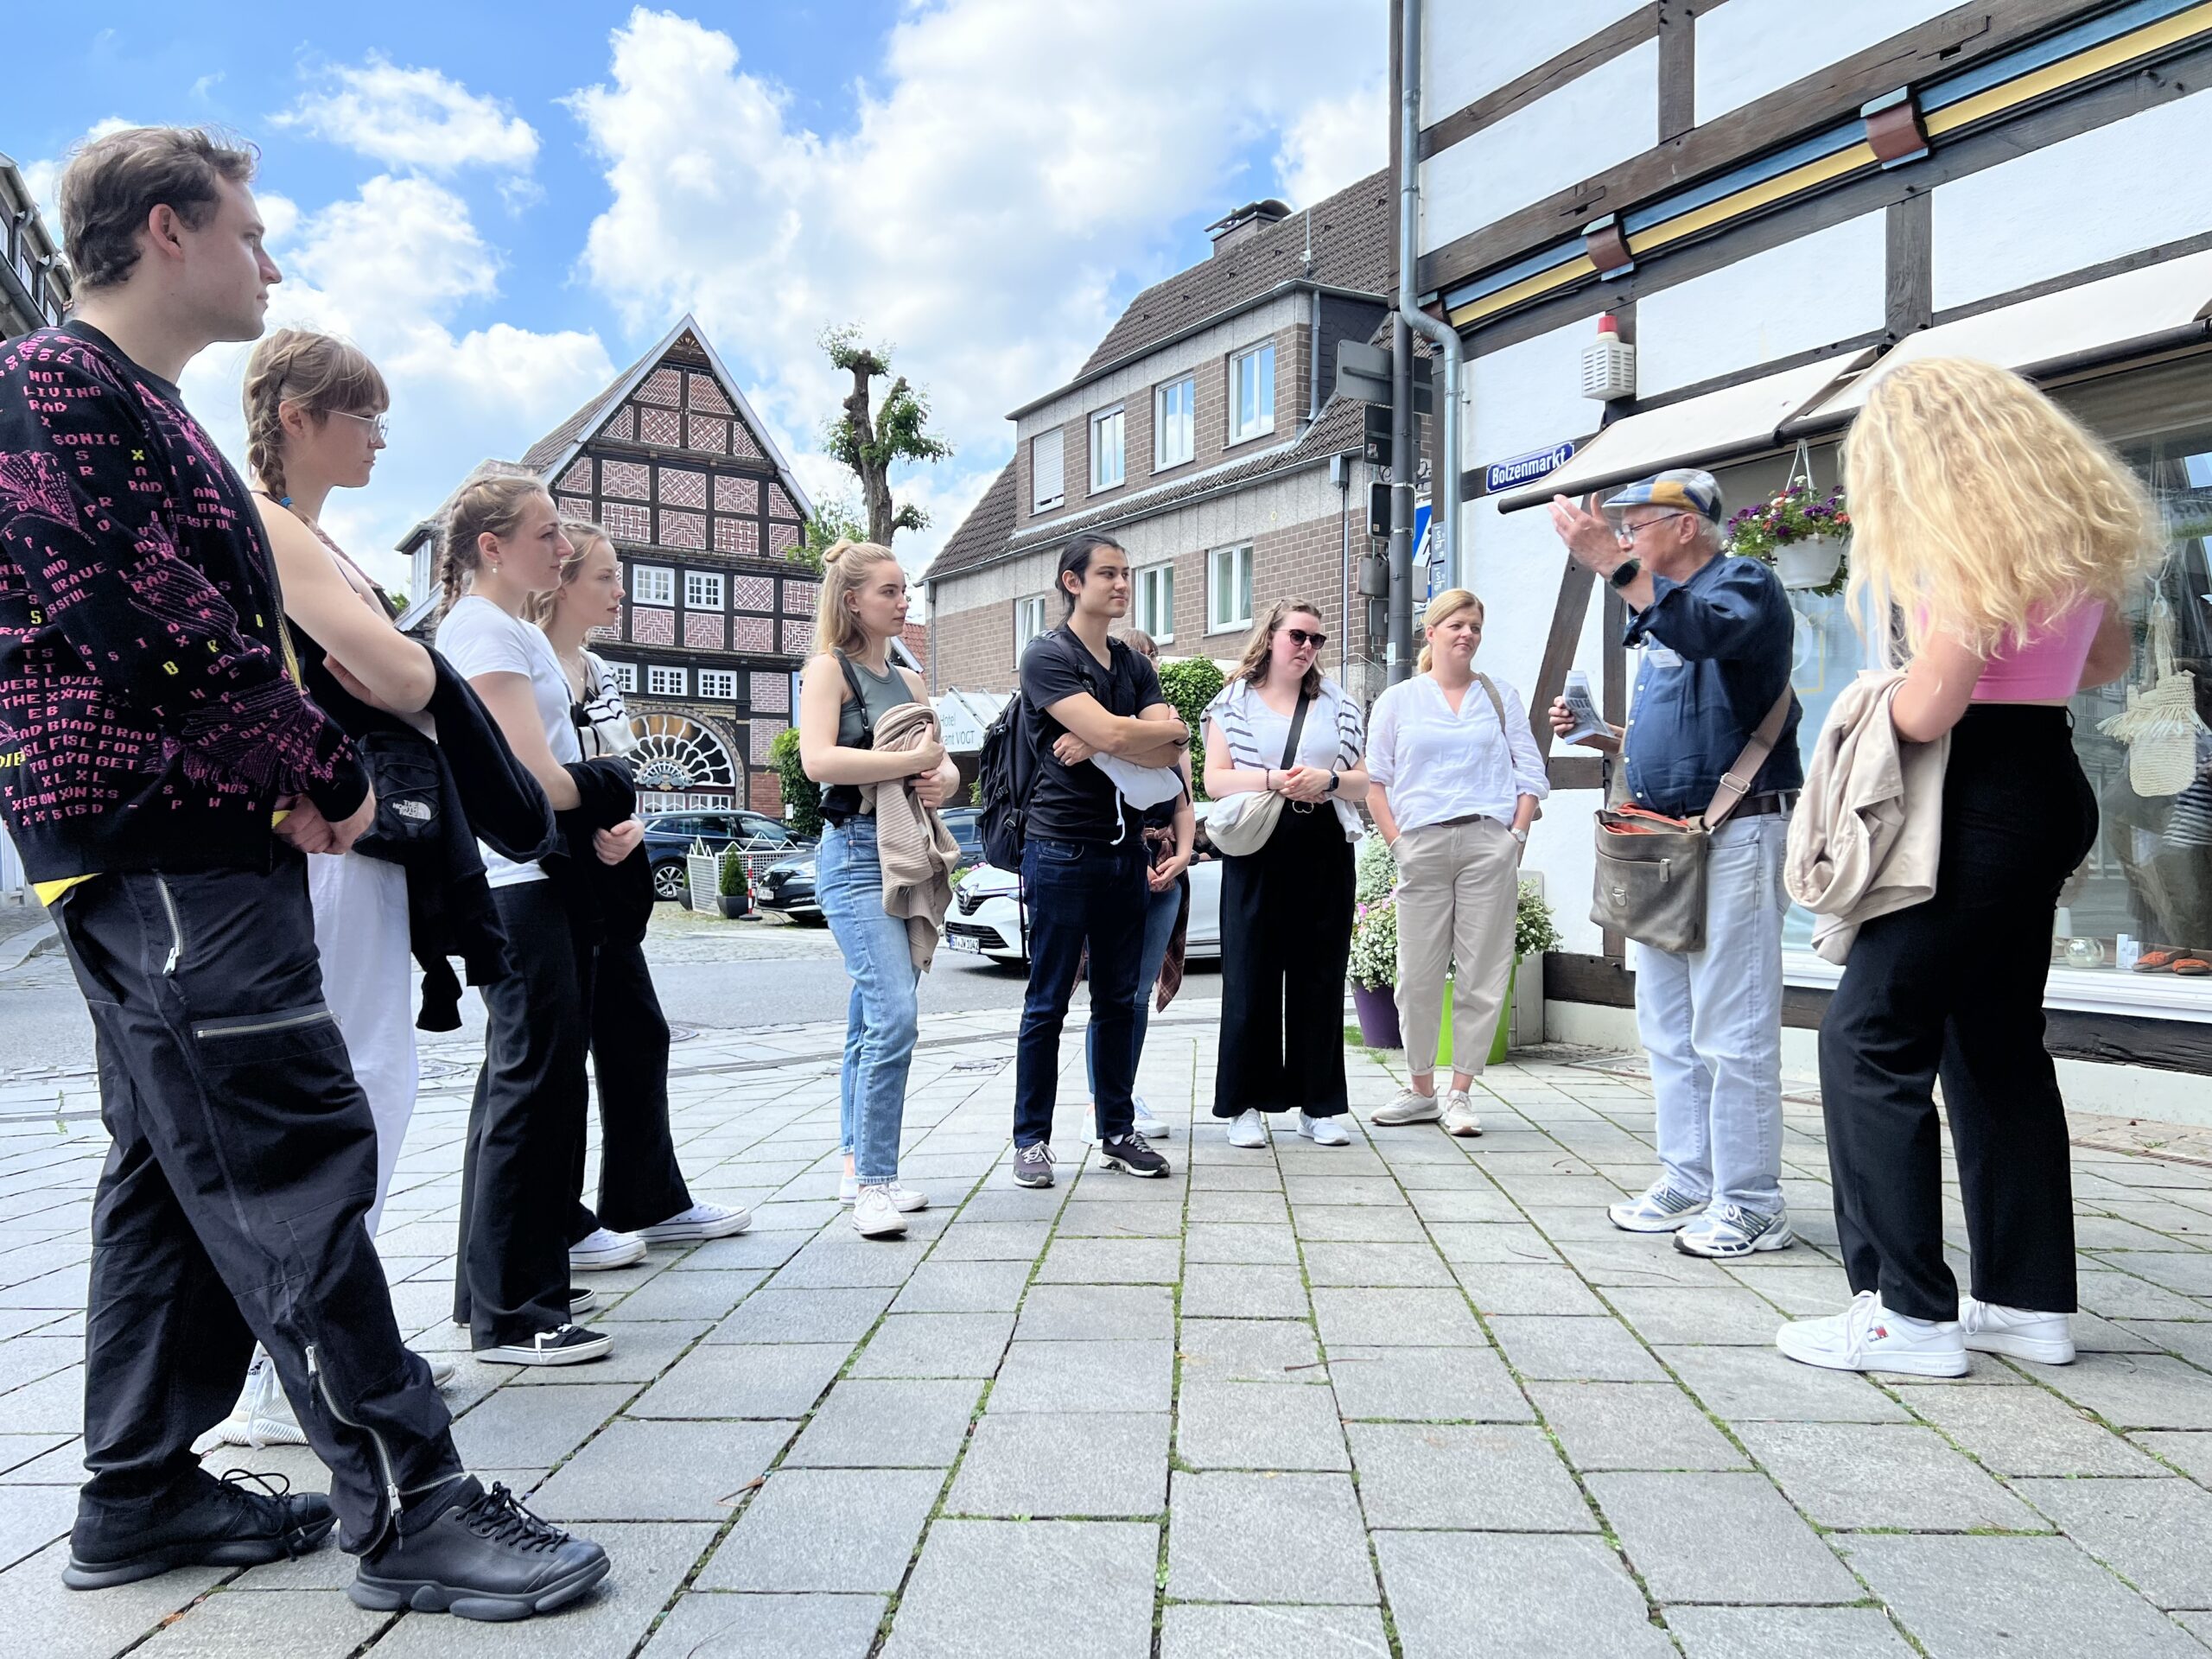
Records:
x=1748, y=48
x=1590, y=124
x=1528, y=396
x=2130, y=184
x=1470, y=48
x=1819, y=287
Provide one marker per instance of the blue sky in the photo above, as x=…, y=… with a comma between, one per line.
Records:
x=504, y=206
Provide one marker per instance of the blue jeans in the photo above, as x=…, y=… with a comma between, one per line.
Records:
x=1710, y=1021
x=1161, y=910
x=1080, y=892
x=881, y=1017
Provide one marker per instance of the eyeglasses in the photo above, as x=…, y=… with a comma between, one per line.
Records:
x=1299, y=636
x=1626, y=534
x=379, y=424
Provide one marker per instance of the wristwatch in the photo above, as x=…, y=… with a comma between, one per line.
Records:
x=1334, y=779
x=1627, y=571
x=1520, y=835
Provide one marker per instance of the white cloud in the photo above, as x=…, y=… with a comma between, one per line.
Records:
x=994, y=200
x=43, y=178
x=1336, y=141
x=418, y=118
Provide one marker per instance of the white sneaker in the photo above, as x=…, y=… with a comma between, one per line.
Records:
x=1147, y=1125
x=1658, y=1209
x=602, y=1248
x=876, y=1216
x=1247, y=1129
x=906, y=1197
x=2016, y=1332
x=849, y=1188
x=264, y=1416
x=1410, y=1106
x=442, y=1370
x=1867, y=1336
x=699, y=1221
x=1729, y=1229
x=1459, y=1114
x=1323, y=1131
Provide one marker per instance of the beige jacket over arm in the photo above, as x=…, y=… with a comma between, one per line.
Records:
x=917, y=851
x=1869, y=826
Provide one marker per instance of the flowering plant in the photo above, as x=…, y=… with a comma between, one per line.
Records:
x=1795, y=515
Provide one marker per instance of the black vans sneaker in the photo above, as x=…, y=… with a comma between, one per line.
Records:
x=564, y=1344
x=1133, y=1152
x=227, y=1524
x=476, y=1555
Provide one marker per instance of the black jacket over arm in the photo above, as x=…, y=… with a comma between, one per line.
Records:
x=604, y=901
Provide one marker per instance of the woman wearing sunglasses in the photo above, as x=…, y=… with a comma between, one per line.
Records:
x=1281, y=725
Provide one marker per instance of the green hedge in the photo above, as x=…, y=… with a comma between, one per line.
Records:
x=801, y=795
x=1191, y=685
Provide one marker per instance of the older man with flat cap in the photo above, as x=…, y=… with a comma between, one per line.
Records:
x=1715, y=638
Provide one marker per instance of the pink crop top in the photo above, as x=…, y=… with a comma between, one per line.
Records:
x=2049, y=666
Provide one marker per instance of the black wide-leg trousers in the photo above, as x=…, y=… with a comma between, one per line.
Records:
x=1953, y=989
x=1286, y=940
x=640, y=1183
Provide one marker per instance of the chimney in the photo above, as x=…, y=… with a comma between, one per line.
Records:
x=1242, y=224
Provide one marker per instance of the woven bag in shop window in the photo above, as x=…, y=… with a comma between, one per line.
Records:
x=2159, y=725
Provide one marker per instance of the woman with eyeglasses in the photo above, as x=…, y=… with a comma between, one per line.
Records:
x=1457, y=780
x=1281, y=725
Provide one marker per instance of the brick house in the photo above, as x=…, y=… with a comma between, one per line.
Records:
x=1201, y=434
x=710, y=525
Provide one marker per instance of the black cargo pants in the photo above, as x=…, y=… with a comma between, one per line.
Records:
x=233, y=1202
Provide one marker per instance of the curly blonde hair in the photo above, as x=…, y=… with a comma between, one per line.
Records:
x=1981, y=509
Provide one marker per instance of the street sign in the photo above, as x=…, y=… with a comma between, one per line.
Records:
x=1363, y=376
x=1522, y=469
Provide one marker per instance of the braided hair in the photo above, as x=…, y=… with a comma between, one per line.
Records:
x=492, y=505
x=320, y=374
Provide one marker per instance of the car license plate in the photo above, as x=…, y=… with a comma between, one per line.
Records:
x=965, y=942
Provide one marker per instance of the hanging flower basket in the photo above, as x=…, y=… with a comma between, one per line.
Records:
x=1804, y=536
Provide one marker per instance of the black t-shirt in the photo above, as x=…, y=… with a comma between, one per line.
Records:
x=1078, y=803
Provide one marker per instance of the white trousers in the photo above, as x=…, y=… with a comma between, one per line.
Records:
x=1459, y=886
x=360, y=929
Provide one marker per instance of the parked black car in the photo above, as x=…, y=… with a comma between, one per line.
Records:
x=966, y=823
x=669, y=837
x=787, y=885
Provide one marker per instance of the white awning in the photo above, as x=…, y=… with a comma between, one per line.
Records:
x=962, y=715
x=2114, y=317
x=1735, y=421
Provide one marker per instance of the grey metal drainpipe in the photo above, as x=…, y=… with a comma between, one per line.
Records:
x=1444, y=496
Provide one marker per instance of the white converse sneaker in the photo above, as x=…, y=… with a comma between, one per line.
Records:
x=1323, y=1131
x=699, y=1221
x=1659, y=1209
x=1867, y=1336
x=1459, y=1114
x=2016, y=1332
x=875, y=1214
x=603, y=1248
x=264, y=1416
x=1147, y=1125
x=1410, y=1106
x=1729, y=1229
x=1248, y=1129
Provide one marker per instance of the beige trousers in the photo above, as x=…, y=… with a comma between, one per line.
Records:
x=1459, y=885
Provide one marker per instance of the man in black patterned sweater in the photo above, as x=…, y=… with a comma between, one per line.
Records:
x=163, y=774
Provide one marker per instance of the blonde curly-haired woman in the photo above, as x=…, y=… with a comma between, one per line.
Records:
x=1999, y=538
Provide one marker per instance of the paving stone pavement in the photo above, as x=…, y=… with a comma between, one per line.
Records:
x=1410, y=1397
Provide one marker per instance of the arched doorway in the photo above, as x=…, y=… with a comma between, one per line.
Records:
x=682, y=764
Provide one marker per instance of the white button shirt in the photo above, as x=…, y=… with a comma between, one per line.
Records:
x=1437, y=765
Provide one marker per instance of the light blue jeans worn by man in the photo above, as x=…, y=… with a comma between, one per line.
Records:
x=881, y=1016
x=1711, y=1020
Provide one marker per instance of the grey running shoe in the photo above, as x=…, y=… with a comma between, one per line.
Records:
x=1660, y=1209
x=1459, y=1115
x=1129, y=1153
x=1729, y=1229
x=1033, y=1166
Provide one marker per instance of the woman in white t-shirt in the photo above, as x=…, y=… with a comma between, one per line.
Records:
x=504, y=542
x=1457, y=780
x=1281, y=725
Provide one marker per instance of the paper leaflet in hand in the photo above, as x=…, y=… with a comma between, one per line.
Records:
x=1587, y=721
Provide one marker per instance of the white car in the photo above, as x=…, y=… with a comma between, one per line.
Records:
x=987, y=917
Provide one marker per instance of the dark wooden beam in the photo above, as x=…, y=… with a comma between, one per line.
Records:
x=1960, y=37
x=1677, y=69
x=1909, y=286
x=1546, y=78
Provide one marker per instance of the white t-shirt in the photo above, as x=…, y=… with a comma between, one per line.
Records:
x=478, y=637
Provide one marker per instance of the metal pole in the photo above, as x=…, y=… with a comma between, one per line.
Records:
x=1405, y=465
x=1444, y=522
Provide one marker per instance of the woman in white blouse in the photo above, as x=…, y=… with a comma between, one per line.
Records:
x=1286, y=910
x=1457, y=776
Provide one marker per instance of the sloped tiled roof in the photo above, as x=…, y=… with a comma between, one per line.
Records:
x=554, y=444
x=1351, y=233
x=982, y=534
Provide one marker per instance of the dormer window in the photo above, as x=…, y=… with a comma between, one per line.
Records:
x=1047, y=487
x=1252, y=392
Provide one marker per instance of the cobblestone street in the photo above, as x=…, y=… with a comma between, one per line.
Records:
x=1414, y=1396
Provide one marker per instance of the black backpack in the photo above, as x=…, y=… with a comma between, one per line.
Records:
x=1006, y=768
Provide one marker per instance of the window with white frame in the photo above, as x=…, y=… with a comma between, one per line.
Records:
x=1154, y=610
x=1105, y=449
x=624, y=675
x=652, y=584
x=1028, y=623
x=667, y=682
x=702, y=590
x=1252, y=392
x=1174, y=422
x=718, y=682
x=1047, y=487
x=1229, y=588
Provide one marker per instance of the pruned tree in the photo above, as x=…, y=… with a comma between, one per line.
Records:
x=835, y=520
x=871, y=437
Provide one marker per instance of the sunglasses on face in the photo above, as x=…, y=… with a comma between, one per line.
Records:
x=1299, y=636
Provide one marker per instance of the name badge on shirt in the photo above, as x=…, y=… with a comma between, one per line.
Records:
x=1658, y=656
